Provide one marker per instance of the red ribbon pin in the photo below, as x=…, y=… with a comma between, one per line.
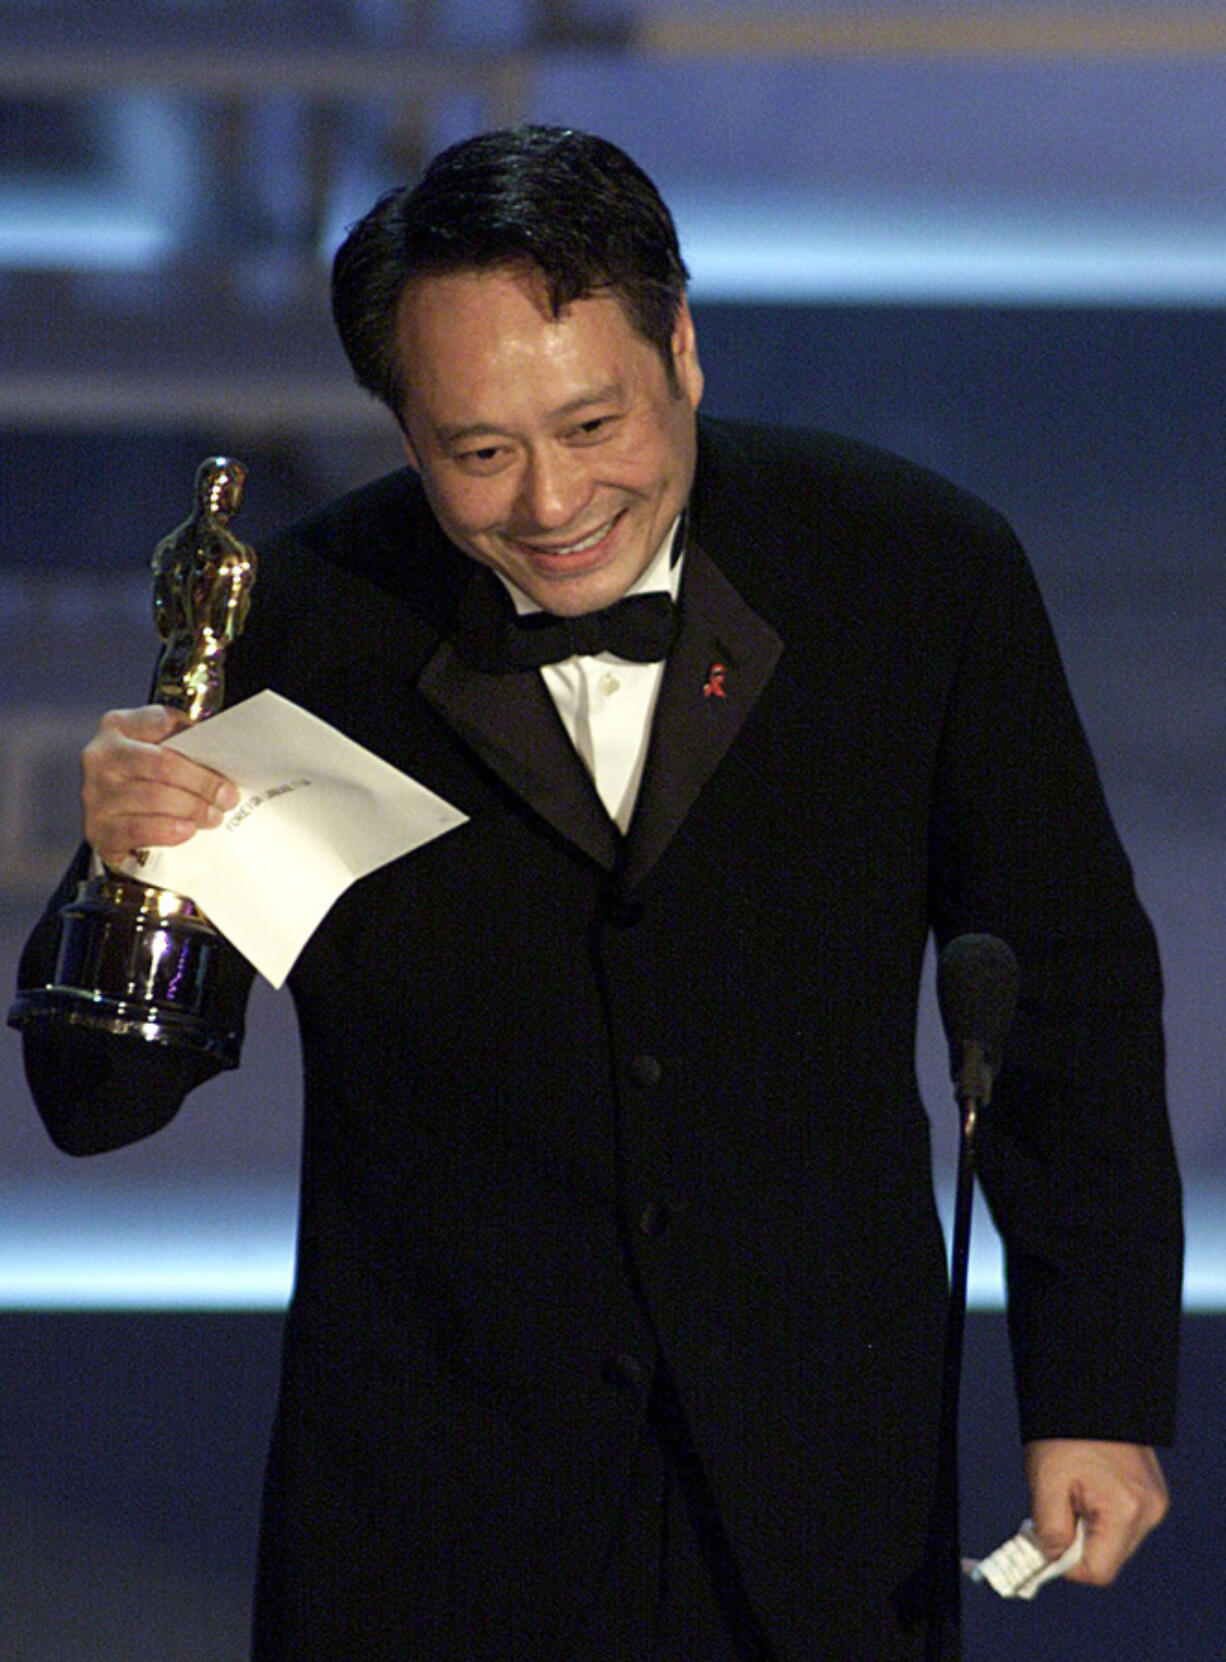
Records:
x=714, y=687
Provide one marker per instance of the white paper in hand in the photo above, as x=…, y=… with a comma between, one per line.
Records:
x=1019, y=1567
x=316, y=813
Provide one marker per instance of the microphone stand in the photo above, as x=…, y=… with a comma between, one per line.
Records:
x=977, y=988
x=972, y=1091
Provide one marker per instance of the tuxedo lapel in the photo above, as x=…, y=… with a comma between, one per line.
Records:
x=512, y=724
x=723, y=658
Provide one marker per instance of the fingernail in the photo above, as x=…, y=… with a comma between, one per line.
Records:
x=227, y=797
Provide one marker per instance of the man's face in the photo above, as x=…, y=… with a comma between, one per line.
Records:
x=553, y=449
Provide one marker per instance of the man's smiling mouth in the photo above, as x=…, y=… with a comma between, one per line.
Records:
x=568, y=550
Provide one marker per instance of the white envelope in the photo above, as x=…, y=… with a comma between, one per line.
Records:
x=316, y=813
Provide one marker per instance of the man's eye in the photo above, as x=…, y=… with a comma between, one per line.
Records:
x=594, y=428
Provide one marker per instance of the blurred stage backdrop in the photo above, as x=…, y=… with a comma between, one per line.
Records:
x=990, y=235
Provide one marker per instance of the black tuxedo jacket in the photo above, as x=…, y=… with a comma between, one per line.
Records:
x=582, y=1108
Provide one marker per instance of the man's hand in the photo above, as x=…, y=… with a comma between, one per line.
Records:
x=1118, y=1488
x=137, y=794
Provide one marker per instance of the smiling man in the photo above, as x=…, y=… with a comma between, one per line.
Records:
x=618, y=1318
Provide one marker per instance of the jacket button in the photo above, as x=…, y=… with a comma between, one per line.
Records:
x=645, y=1070
x=627, y=1372
x=655, y=1219
x=622, y=913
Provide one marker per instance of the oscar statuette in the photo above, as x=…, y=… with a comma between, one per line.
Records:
x=134, y=959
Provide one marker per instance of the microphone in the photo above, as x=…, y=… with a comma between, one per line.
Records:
x=977, y=985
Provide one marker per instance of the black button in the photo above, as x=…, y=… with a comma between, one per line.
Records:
x=620, y=911
x=645, y=1070
x=627, y=1372
x=655, y=1219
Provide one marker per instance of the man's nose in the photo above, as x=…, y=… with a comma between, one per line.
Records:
x=554, y=488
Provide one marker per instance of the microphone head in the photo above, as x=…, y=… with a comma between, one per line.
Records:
x=977, y=987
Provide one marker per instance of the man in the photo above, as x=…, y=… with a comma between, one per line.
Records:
x=620, y=1298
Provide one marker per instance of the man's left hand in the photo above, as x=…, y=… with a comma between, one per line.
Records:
x=1117, y=1488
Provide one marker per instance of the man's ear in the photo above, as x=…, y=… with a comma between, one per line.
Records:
x=409, y=451
x=686, y=366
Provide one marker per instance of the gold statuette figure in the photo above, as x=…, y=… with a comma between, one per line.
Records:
x=202, y=578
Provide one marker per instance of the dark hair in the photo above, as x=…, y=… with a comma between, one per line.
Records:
x=575, y=207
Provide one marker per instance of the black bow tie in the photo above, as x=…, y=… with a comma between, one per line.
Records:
x=640, y=628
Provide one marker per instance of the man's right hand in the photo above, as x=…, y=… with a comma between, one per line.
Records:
x=135, y=793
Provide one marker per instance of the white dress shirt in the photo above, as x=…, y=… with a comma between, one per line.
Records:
x=607, y=704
